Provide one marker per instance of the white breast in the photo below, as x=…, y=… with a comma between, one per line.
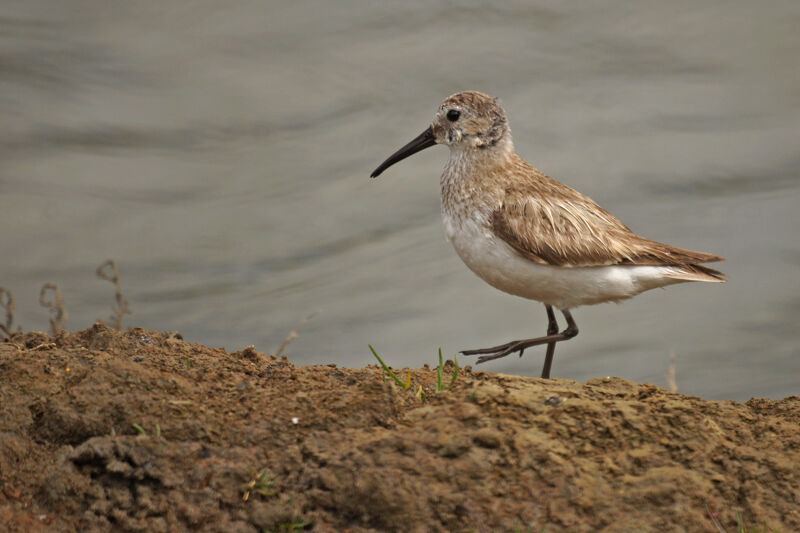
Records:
x=563, y=287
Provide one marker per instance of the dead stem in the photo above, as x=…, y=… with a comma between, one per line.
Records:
x=673, y=385
x=109, y=272
x=293, y=334
x=8, y=303
x=58, y=315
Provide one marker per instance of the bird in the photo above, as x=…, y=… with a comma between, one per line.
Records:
x=531, y=236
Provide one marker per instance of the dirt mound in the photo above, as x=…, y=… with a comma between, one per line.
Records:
x=140, y=431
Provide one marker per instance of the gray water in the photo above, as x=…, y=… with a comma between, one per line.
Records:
x=220, y=153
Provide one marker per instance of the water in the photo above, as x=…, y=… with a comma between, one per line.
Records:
x=221, y=152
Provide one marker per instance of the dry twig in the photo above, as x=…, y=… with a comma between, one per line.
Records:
x=109, y=272
x=293, y=334
x=8, y=303
x=58, y=315
x=673, y=385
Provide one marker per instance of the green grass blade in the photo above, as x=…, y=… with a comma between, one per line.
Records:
x=386, y=368
x=439, y=384
x=455, y=373
x=140, y=429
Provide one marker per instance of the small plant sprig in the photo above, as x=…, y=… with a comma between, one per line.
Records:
x=139, y=429
x=262, y=484
x=742, y=528
x=298, y=523
x=407, y=385
x=740, y=525
x=439, y=384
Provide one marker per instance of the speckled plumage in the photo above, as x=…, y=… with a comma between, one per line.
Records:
x=491, y=194
x=529, y=235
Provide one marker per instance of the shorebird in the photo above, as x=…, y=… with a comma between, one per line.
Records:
x=526, y=234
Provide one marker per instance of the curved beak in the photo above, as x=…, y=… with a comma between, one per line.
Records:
x=422, y=141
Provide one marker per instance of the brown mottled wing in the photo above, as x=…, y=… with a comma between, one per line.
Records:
x=568, y=229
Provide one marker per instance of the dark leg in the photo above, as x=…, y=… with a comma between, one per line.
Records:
x=503, y=350
x=552, y=329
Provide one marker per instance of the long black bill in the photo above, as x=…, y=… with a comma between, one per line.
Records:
x=424, y=140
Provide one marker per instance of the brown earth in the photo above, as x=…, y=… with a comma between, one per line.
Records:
x=246, y=442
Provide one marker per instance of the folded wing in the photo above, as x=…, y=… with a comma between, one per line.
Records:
x=566, y=228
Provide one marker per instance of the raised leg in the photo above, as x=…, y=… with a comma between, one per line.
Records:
x=550, y=339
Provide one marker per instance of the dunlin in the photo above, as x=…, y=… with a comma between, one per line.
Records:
x=529, y=235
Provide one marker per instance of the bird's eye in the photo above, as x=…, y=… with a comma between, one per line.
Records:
x=453, y=115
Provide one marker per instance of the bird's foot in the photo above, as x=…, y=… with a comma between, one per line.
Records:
x=496, y=352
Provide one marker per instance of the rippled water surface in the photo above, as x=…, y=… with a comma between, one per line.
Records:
x=220, y=152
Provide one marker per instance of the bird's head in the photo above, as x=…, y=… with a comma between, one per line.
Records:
x=468, y=120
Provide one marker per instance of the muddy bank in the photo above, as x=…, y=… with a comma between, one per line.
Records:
x=140, y=431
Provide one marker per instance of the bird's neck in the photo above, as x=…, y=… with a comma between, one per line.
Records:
x=470, y=176
x=472, y=162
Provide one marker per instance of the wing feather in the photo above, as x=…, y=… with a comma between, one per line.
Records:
x=566, y=228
